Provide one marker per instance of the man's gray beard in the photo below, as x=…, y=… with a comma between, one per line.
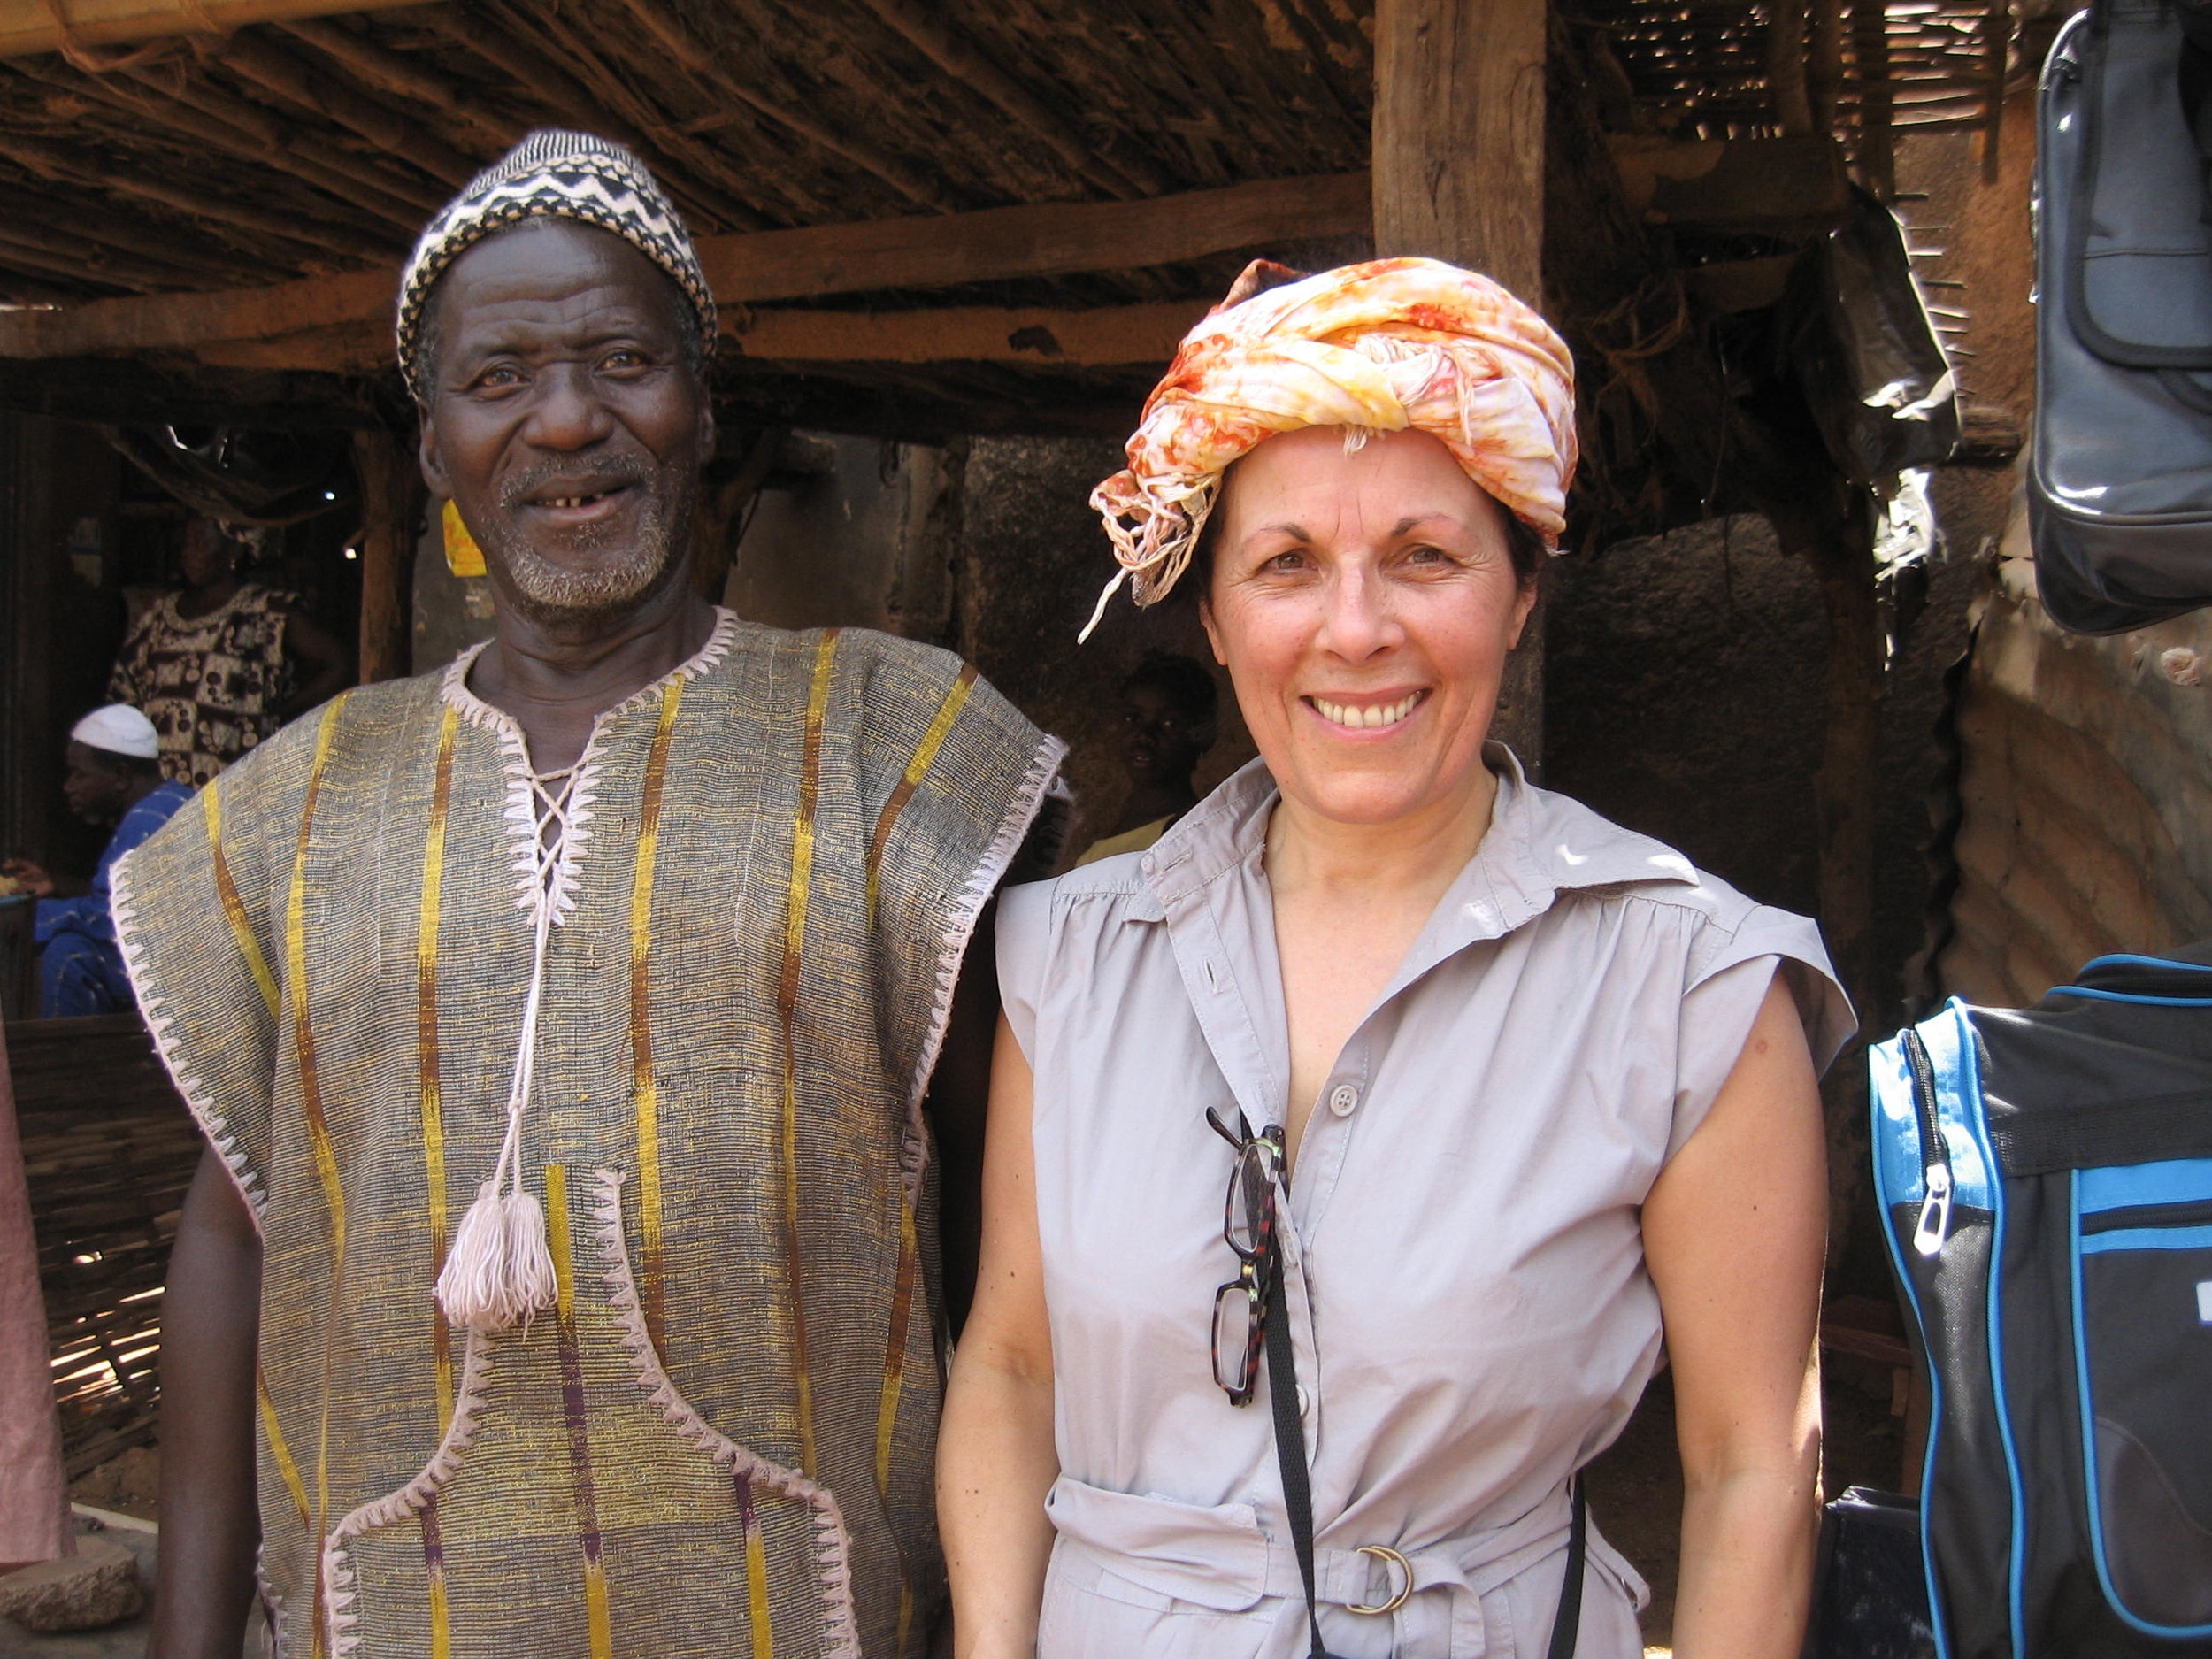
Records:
x=552, y=591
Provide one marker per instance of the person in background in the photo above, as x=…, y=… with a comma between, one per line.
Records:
x=222, y=663
x=1167, y=715
x=113, y=777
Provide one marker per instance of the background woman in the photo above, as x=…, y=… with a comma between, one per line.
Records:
x=222, y=663
x=1543, y=1094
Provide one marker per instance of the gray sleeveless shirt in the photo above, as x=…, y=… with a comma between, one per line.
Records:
x=1468, y=1300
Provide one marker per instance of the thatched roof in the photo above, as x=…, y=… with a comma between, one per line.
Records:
x=305, y=150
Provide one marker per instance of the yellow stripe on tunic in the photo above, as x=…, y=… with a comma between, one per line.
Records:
x=643, y=1087
x=273, y=1432
x=916, y=769
x=756, y=1572
x=595, y=1613
x=787, y=1011
x=433, y=1148
x=318, y=1127
x=241, y=927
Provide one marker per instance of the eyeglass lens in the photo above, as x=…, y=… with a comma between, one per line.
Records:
x=1251, y=1198
x=1236, y=1317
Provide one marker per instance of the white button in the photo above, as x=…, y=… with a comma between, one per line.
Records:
x=1305, y=1400
x=1342, y=1098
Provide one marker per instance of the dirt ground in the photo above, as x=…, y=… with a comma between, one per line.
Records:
x=129, y=1485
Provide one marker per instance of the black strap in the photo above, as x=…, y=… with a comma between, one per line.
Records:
x=1290, y=1454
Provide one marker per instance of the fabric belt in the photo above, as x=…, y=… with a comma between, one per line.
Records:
x=1220, y=1557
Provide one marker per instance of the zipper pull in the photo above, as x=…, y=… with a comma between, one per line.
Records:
x=1935, y=1211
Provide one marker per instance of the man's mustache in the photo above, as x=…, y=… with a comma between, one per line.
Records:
x=568, y=478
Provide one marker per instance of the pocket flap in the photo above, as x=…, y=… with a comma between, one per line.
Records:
x=1214, y=1557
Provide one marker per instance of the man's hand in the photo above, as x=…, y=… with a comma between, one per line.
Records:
x=28, y=878
x=211, y=1327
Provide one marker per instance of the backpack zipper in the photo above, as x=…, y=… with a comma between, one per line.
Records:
x=1935, y=1157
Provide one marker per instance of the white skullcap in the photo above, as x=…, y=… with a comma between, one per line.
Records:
x=118, y=729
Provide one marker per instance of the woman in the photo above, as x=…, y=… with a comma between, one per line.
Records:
x=1545, y=1093
x=221, y=664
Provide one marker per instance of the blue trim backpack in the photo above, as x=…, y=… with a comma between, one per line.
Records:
x=2045, y=1177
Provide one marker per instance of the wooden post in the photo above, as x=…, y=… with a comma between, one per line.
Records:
x=1457, y=170
x=391, y=518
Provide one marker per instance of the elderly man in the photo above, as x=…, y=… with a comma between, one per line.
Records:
x=591, y=984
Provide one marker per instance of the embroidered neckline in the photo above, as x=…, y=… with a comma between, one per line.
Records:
x=548, y=875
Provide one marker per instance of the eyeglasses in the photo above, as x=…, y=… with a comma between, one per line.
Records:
x=1248, y=1225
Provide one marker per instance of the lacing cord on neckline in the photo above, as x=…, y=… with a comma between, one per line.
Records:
x=500, y=1269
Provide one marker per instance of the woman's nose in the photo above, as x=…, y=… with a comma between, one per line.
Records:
x=1359, y=621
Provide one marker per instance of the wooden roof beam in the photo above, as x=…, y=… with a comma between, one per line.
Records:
x=70, y=26
x=1003, y=244
x=1113, y=336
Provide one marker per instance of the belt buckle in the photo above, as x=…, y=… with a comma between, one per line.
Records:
x=1389, y=1557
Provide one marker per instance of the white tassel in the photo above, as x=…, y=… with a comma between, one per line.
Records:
x=500, y=1270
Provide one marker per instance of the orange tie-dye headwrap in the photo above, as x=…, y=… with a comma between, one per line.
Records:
x=1383, y=346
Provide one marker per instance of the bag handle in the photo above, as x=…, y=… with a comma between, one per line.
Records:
x=1290, y=1452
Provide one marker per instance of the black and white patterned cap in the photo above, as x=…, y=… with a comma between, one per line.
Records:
x=552, y=175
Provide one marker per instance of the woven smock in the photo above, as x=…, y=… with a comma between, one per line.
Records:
x=1472, y=1316
x=720, y=1441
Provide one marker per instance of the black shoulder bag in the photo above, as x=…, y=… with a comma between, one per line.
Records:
x=1290, y=1452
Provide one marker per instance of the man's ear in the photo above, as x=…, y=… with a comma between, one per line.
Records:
x=433, y=462
x=709, y=433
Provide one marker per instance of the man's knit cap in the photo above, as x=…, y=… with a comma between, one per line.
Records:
x=551, y=174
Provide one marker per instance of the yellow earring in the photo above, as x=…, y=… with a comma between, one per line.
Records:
x=463, y=557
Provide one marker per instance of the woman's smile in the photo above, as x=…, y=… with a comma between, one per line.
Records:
x=1366, y=712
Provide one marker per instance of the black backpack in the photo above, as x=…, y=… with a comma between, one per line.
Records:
x=2046, y=1176
x=2119, y=481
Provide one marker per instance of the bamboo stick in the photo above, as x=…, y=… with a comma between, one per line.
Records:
x=388, y=71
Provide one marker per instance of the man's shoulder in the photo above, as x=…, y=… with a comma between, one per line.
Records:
x=896, y=678
x=357, y=727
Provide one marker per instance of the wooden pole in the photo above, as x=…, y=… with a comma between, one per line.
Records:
x=391, y=512
x=1458, y=174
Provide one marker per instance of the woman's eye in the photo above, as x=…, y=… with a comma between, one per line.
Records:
x=1288, y=560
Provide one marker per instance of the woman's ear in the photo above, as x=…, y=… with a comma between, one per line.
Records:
x=1524, y=605
x=1213, y=632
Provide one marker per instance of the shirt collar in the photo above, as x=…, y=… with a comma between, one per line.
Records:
x=1539, y=846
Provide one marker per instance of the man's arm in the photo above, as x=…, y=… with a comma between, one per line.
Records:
x=959, y=1095
x=211, y=1325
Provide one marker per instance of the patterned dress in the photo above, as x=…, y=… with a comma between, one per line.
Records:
x=211, y=685
x=718, y=1444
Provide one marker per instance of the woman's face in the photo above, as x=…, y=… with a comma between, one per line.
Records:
x=1363, y=604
